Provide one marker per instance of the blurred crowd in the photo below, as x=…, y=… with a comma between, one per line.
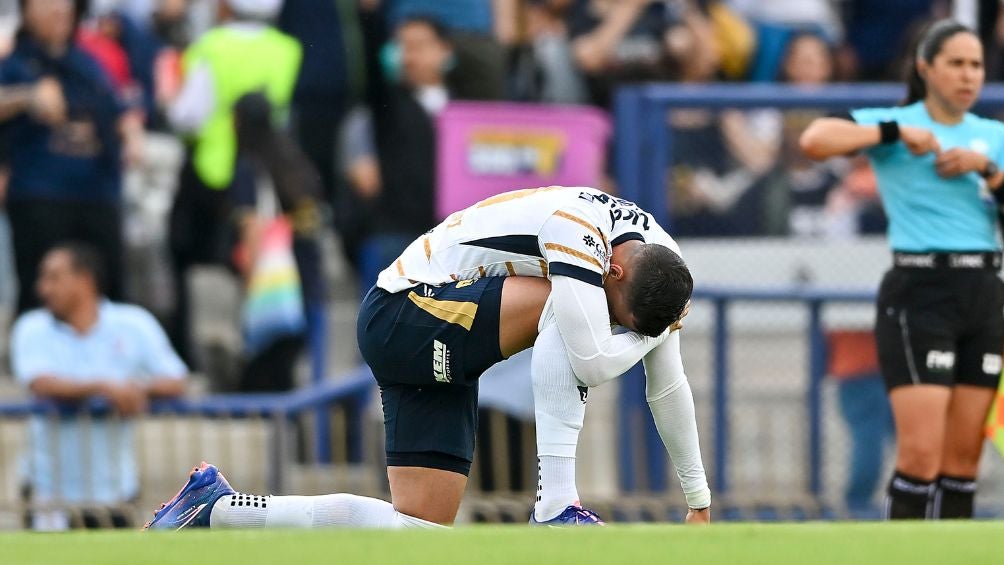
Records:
x=293, y=117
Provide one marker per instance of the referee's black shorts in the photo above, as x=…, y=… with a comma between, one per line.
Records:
x=940, y=320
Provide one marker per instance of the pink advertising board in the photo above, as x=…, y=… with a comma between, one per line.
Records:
x=485, y=148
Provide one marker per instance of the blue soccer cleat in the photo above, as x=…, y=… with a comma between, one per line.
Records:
x=190, y=508
x=570, y=516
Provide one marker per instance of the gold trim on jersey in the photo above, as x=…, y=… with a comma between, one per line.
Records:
x=543, y=268
x=428, y=249
x=481, y=271
x=450, y=311
x=511, y=268
x=574, y=253
x=400, y=267
x=507, y=196
x=580, y=221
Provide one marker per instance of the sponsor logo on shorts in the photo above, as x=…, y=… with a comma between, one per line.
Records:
x=465, y=282
x=940, y=360
x=441, y=362
x=991, y=364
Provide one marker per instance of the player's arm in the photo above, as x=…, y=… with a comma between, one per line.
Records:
x=837, y=136
x=672, y=404
x=596, y=354
x=574, y=247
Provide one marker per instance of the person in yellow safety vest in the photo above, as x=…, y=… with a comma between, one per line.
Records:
x=245, y=54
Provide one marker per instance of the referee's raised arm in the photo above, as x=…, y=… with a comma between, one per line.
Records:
x=832, y=137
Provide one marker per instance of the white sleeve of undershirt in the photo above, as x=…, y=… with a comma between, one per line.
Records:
x=596, y=353
x=672, y=404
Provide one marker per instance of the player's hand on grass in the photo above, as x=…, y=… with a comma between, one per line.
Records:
x=958, y=161
x=702, y=516
x=919, y=141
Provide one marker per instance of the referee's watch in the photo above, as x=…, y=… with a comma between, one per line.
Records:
x=990, y=170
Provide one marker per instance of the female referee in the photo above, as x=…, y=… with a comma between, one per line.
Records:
x=939, y=324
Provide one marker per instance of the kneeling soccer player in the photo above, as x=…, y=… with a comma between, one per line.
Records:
x=468, y=294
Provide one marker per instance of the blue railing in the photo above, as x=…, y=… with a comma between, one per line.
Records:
x=353, y=391
x=633, y=402
x=643, y=155
x=644, y=148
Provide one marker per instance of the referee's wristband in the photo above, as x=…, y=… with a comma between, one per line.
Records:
x=889, y=131
x=998, y=195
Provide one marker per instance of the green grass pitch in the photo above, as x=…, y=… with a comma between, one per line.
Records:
x=973, y=543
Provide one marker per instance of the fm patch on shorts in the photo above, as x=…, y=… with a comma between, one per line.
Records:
x=941, y=361
x=991, y=364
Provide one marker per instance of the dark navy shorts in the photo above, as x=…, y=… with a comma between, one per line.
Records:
x=427, y=347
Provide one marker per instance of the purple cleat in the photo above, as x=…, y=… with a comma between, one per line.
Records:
x=190, y=508
x=571, y=516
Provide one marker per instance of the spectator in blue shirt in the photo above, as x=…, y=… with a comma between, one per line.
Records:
x=67, y=135
x=81, y=346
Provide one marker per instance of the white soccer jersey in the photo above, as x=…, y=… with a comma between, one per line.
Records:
x=535, y=232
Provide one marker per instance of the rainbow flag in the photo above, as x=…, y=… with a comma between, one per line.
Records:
x=273, y=305
x=995, y=421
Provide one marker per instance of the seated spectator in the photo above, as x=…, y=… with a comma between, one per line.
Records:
x=81, y=346
x=837, y=198
x=721, y=160
x=617, y=41
x=639, y=40
x=67, y=134
x=391, y=161
x=272, y=349
x=805, y=185
x=542, y=66
x=779, y=22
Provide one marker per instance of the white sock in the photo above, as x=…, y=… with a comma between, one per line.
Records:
x=560, y=408
x=324, y=511
x=555, y=487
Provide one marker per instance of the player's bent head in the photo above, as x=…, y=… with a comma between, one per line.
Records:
x=659, y=289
